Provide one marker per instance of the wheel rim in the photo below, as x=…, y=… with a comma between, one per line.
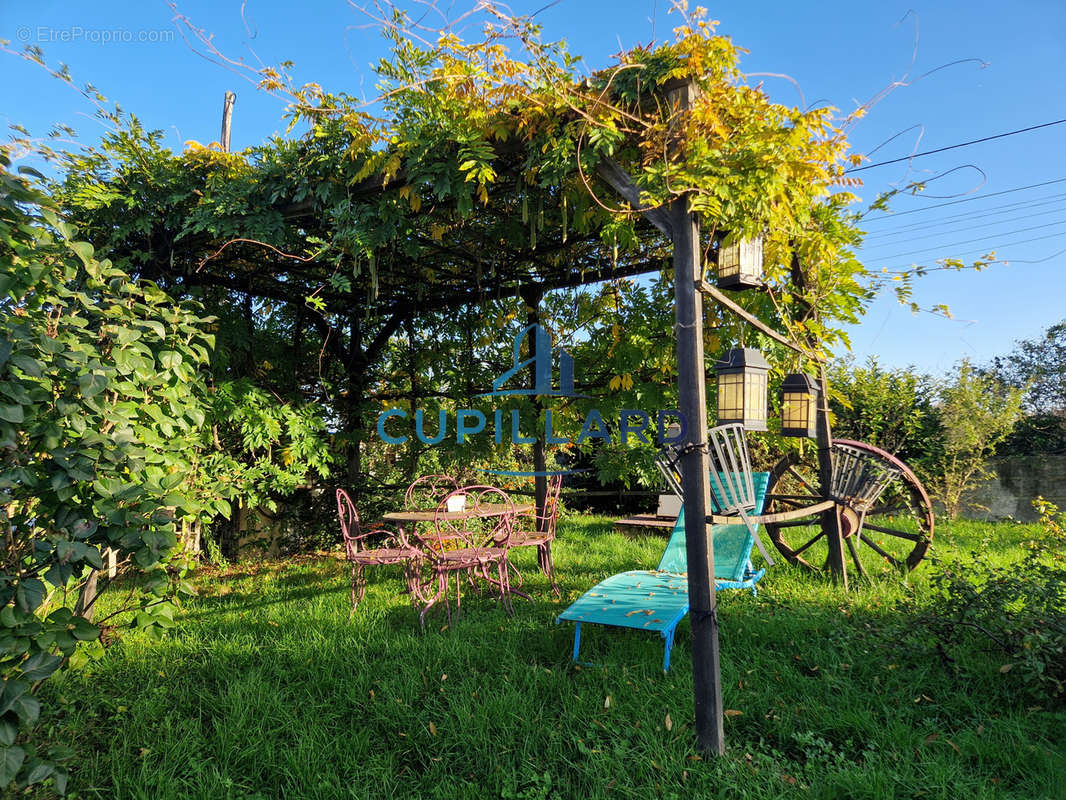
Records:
x=893, y=536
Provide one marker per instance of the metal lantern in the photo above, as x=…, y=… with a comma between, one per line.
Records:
x=740, y=264
x=799, y=406
x=742, y=377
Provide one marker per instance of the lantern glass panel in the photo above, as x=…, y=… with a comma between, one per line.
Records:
x=731, y=397
x=796, y=410
x=755, y=398
x=740, y=264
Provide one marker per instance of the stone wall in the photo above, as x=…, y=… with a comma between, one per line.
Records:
x=1017, y=482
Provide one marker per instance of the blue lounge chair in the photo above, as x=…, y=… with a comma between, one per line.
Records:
x=656, y=600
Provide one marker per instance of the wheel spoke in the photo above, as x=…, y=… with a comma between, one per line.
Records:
x=891, y=559
x=855, y=556
x=819, y=535
x=807, y=484
x=910, y=537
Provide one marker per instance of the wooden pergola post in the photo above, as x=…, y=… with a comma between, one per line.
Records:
x=695, y=481
x=682, y=227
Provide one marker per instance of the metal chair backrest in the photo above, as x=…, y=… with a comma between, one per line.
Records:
x=546, y=521
x=487, y=521
x=730, y=468
x=427, y=491
x=349, y=519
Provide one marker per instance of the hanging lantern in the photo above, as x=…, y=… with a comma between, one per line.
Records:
x=740, y=264
x=799, y=406
x=742, y=378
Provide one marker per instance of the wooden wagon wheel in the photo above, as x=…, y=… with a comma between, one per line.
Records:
x=894, y=535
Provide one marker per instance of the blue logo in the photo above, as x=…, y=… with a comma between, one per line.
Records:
x=541, y=360
x=545, y=361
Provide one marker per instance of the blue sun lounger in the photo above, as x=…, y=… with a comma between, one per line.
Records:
x=657, y=600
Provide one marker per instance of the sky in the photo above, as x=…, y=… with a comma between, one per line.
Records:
x=961, y=70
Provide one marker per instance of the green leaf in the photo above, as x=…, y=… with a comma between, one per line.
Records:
x=40, y=666
x=38, y=770
x=11, y=759
x=84, y=630
x=30, y=594
x=12, y=413
x=91, y=384
x=31, y=366
x=8, y=731
x=84, y=251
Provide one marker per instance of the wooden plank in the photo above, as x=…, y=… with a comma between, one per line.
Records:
x=646, y=521
x=781, y=516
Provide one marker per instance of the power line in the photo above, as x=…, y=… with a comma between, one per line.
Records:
x=956, y=146
x=970, y=241
x=991, y=212
x=965, y=200
x=984, y=250
x=955, y=226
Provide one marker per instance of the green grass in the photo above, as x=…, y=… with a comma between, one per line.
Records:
x=266, y=690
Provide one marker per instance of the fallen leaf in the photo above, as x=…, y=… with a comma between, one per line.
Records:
x=1006, y=668
x=932, y=737
x=787, y=778
x=980, y=729
x=444, y=677
x=954, y=746
x=607, y=701
x=732, y=712
x=433, y=729
x=669, y=723
x=371, y=694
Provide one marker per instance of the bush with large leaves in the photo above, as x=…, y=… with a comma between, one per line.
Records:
x=101, y=408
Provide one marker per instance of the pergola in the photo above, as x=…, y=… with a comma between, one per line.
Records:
x=249, y=242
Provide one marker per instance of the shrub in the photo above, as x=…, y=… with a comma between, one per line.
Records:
x=1015, y=610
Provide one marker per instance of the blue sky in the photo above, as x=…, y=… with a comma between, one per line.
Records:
x=841, y=53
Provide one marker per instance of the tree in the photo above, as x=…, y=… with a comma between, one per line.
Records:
x=976, y=413
x=1037, y=366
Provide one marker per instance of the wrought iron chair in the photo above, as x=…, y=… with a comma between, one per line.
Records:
x=428, y=491
x=392, y=549
x=473, y=541
x=542, y=533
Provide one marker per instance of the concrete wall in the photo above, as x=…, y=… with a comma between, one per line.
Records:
x=1018, y=481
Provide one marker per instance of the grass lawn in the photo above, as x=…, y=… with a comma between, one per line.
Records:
x=265, y=690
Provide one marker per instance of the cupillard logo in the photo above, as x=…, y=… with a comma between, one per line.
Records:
x=545, y=362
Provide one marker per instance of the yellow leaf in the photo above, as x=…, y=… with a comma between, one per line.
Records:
x=669, y=723
x=433, y=729
x=1006, y=668
x=607, y=702
x=732, y=712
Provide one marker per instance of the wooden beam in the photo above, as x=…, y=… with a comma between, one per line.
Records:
x=719, y=296
x=619, y=180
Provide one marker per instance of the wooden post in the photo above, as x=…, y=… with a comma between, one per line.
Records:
x=695, y=481
x=830, y=518
x=227, y=119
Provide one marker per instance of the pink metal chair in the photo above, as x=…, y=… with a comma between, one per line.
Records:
x=392, y=549
x=473, y=541
x=428, y=491
x=538, y=530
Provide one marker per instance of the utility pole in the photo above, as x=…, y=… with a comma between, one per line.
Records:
x=227, y=119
